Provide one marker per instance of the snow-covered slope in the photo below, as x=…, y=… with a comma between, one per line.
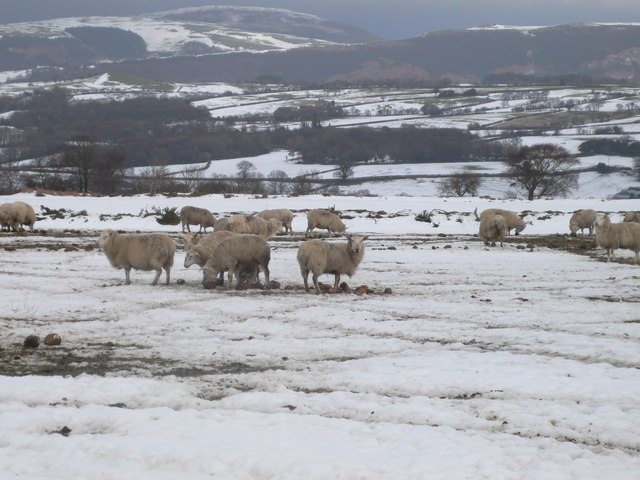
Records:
x=206, y=30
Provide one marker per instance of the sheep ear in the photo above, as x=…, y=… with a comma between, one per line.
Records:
x=365, y=237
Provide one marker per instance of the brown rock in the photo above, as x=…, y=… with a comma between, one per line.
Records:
x=362, y=290
x=388, y=291
x=243, y=286
x=32, y=341
x=52, y=339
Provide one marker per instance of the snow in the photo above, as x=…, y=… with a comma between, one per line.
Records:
x=482, y=362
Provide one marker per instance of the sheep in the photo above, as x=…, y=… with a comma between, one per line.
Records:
x=190, y=239
x=617, y=235
x=264, y=228
x=320, y=218
x=319, y=256
x=234, y=223
x=196, y=216
x=14, y=215
x=282, y=214
x=142, y=252
x=5, y=216
x=582, y=219
x=237, y=254
x=492, y=228
x=200, y=252
x=632, y=217
x=513, y=220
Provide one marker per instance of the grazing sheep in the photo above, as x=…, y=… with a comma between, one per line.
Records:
x=320, y=218
x=190, y=239
x=14, y=215
x=632, y=217
x=234, y=223
x=196, y=216
x=5, y=216
x=582, y=219
x=199, y=253
x=513, y=220
x=283, y=214
x=237, y=254
x=617, y=235
x=318, y=257
x=264, y=228
x=492, y=228
x=142, y=252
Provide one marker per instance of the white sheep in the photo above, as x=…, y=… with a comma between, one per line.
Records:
x=319, y=256
x=283, y=214
x=142, y=252
x=264, y=228
x=5, y=216
x=190, y=239
x=199, y=253
x=617, y=235
x=632, y=217
x=14, y=215
x=493, y=228
x=513, y=220
x=238, y=254
x=582, y=219
x=196, y=216
x=320, y=218
x=235, y=223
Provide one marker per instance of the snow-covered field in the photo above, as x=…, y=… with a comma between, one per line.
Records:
x=500, y=363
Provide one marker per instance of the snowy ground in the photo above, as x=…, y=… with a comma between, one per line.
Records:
x=504, y=363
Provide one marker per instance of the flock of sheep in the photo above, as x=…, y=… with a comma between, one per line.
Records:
x=495, y=224
x=238, y=244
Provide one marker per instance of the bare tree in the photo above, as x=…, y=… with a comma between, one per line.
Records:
x=460, y=185
x=108, y=171
x=542, y=170
x=344, y=171
x=276, y=185
x=305, y=185
x=79, y=156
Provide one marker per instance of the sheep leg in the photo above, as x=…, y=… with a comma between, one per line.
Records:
x=305, y=277
x=127, y=279
x=168, y=275
x=230, y=274
x=337, y=281
x=266, y=275
x=158, y=273
x=315, y=282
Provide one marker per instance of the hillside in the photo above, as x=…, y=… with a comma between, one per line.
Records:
x=78, y=41
x=595, y=50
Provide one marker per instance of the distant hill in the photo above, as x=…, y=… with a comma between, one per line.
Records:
x=597, y=50
x=82, y=41
x=246, y=44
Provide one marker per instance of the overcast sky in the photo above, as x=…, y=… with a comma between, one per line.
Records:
x=391, y=19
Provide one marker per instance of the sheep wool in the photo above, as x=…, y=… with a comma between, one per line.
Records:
x=142, y=252
x=196, y=216
x=493, y=228
x=283, y=214
x=617, y=235
x=632, y=217
x=237, y=254
x=200, y=253
x=582, y=219
x=319, y=218
x=512, y=219
x=319, y=256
